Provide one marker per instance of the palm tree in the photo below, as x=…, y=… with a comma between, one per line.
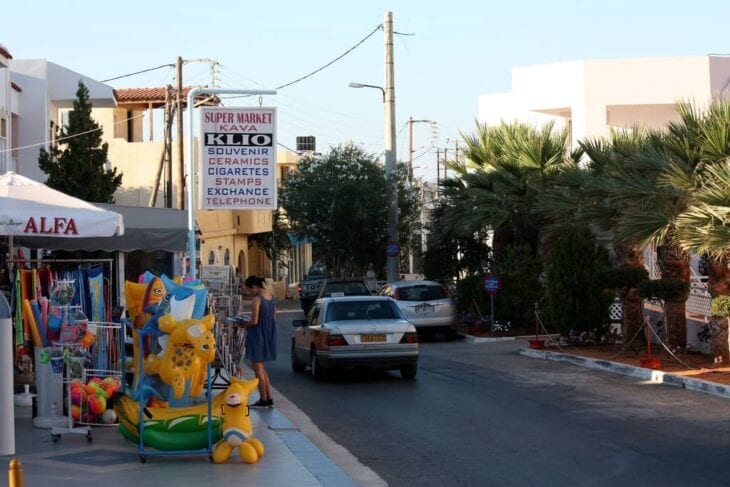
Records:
x=585, y=195
x=507, y=169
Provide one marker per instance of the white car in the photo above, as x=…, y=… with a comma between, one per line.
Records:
x=425, y=304
x=354, y=331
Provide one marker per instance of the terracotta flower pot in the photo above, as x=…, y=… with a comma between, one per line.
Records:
x=651, y=363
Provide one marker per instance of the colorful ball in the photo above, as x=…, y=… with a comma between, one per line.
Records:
x=95, y=380
x=78, y=396
x=109, y=417
x=113, y=382
x=76, y=413
x=76, y=384
x=91, y=389
x=103, y=390
x=97, y=404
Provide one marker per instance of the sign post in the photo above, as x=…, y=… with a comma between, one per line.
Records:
x=237, y=158
x=191, y=207
x=492, y=285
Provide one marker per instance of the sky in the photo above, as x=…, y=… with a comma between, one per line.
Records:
x=458, y=50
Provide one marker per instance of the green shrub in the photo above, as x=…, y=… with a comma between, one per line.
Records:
x=668, y=289
x=721, y=306
x=626, y=277
x=577, y=301
x=519, y=272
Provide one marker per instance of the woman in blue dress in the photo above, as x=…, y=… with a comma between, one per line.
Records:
x=261, y=336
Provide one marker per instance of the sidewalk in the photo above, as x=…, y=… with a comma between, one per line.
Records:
x=291, y=457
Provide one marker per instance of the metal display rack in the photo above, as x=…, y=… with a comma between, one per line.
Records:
x=106, y=357
x=230, y=346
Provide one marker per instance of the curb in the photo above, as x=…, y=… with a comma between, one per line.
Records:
x=476, y=339
x=655, y=376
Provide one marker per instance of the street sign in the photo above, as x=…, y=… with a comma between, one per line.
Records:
x=392, y=249
x=237, y=158
x=491, y=284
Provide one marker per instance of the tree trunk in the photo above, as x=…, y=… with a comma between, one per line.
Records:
x=719, y=285
x=674, y=263
x=631, y=302
x=633, y=315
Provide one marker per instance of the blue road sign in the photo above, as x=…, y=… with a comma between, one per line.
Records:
x=491, y=284
x=392, y=249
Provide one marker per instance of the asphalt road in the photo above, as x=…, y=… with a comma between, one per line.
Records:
x=480, y=414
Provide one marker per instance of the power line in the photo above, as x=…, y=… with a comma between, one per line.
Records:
x=138, y=72
x=379, y=27
x=68, y=137
x=308, y=75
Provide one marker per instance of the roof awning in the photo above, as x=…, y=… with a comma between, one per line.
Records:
x=145, y=229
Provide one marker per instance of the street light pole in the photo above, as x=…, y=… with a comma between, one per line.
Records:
x=392, y=267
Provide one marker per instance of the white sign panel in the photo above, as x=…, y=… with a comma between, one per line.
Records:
x=237, y=158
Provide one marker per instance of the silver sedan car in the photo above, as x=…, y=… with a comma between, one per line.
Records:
x=425, y=304
x=354, y=331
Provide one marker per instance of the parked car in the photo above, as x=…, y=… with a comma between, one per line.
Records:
x=425, y=304
x=344, y=286
x=354, y=331
x=311, y=284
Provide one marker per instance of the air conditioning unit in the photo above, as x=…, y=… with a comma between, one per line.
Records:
x=306, y=143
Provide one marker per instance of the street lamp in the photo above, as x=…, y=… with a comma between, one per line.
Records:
x=362, y=85
x=392, y=257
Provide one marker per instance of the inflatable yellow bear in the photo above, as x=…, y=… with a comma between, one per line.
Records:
x=190, y=347
x=236, y=427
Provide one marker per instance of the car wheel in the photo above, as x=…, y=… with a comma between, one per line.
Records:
x=408, y=372
x=317, y=371
x=296, y=365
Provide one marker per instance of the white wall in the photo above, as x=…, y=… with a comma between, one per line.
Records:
x=598, y=94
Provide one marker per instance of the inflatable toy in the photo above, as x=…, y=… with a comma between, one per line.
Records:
x=201, y=294
x=191, y=345
x=134, y=296
x=153, y=295
x=236, y=428
x=166, y=428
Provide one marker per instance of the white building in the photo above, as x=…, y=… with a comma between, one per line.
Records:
x=48, y=91
x=9, y=110
x=591, y=96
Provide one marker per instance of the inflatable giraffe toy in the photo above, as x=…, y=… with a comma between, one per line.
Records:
x=236, y=428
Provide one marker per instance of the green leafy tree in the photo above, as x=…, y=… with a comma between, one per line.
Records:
x=275, y=242
x=77, y=166
x=575, y=297
x=339, y=200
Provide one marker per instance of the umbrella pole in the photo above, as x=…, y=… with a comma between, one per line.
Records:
x=11, y=248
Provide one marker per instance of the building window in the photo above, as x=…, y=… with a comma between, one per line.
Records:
x=211, y=258
x=4, y=128
x=227, y=257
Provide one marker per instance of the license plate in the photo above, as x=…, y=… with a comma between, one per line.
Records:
x=372, y=338
x=425, y=308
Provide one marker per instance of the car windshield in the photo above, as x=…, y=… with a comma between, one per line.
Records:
x=345, y=288
x=362, y=310
x=423, y=292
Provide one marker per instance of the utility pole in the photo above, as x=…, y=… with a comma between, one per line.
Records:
x=410, y=151
x=392, y=266
x=180, y=143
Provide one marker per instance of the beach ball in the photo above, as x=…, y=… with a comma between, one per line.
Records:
x=97, y=404
x=78, y=396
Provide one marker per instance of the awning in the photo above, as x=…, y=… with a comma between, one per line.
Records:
x=145, y=229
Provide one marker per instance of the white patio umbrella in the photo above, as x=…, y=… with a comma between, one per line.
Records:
x=30, y=208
